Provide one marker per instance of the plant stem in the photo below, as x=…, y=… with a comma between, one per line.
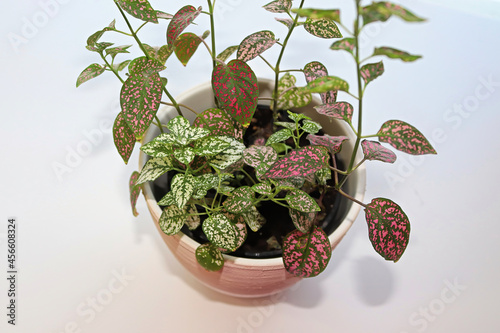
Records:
x=352, y=198
x=212, y=33
x=111, y=68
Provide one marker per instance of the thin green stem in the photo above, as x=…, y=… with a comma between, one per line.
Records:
x=267, y=62
x=111, y=68
x=212, y=32
x=352, y=198
x=248, y=175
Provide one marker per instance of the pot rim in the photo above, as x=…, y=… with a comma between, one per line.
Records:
x=335, y=237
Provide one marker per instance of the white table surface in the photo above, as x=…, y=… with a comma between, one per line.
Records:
x=87, y=265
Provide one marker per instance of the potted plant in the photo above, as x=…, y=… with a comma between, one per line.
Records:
x=245, y=165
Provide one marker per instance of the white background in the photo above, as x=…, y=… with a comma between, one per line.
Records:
x=76, y=233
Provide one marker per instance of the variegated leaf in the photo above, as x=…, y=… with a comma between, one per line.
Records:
x=306, y=254
x=254, y=219
x=311, y=127
x=255, y=44
x=154, y=168
x=370, y=72
x=180, y=21
x=296, y=116
x=182, y=131
x=279, y=136
x=279, y=6
x=301, y=201
x=123, y=137
x=224, y=55
x=303, y=221
x=215, y=120
x=260, y=157
x=395, y=54
x=209, y=257
x=286, y=21
x=314, y=70
x=388, y=228
x=192, y=218
x=134, y=190
x=182, y=188
x=163, y=15
x=383, y=10
x=339, y=110
x=167, y=200
x=122, y=65
x=240, y=200
x=171, y=220
x=405, y=137
x=332, y=143
x=327, y=83
x=331, y=14
x=157, y=148
x=236, y=89
x=291, y=96
x=140, y=9
x=211, y=145
x=90, y=72
x=262, y=188
x=140, y=99
x=346, y=44
x=117, y=50
x=375, y=151
x=221, y=232
x=323, y=28
x=323, y=175
x=144, y=66
x=228, y=156
x=185, y=46
x=185, y=155
x=92, y=40
x=299, y=163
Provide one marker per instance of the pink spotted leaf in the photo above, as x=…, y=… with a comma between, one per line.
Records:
x=185, y=46
x=314, y=13
x=279, y=6
x=180, y=21
x=140, y=9
x=314, y=70
x=134, y=190
x=395, y=54
x=388, y=228
x=346, y=44
x=303, y=221
x=299, y=163
x=291, y=96
x=332, y=143
x=375, y=151
x=339, y=110
x=405, y=137
x=123, y=138
x=236, y=89
x=240, y=200
x=370, y=72
x=90, y=72
x=323, y=28
x=255, y=44
x=306, y=254
x=301, y=201
x=215, y=120
x=261, y=158
x=327, y=83
x=224, y=55
x=383, y=10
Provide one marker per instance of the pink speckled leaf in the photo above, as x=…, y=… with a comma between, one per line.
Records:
x=134, y=190
x=163, y=15
x=303, y=221
x=306, y=254
x=299, y=163
x=301, y=201
x=215, y=120
x=145, y=66
x=332, y=143
x=224, y=55
x=279, y=6
x=388, y=228
x=405, y=137
x=340, y=110
x=395, y=54
x=383, y=10
x=286, y=21
x=123, y=137
x=346, y=44
x=185, y=46
x=140, y=9
x=180, y=21
x=240, y=200
x=255, y=44
x=332, y=14
x=236, y=89
x=209, y=257
x=314, y=70
x=323, y=28
x=327, y=83
x=291, y=96
x=90, y=72
x=261, y=158
x=375, y=151
x=370, y=72
x=140, y=99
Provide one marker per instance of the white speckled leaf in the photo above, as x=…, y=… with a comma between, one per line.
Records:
x=221, y=232
x=172, y=219
x=154, y=168
x=182, y=188
x=209, y=257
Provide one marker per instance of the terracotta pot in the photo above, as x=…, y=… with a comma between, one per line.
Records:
x=244, y=277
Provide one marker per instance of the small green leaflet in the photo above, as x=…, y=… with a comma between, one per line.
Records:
x=253, y=219
x=123, y=137
x=255, y=44
x=209, y=257
x=240, y=200
x=172, y=220
x=388, y=228
x=382, y=11
x=370, y=72
x=185, y=46
x=117, y=50
x=154, y=168
x=262, y=188
x=405, y=137
x=311, y=127
x=327, y=83
x=279, y=6
x=395, y=54
x=140, y=9
x=306, y=254
x=221, y=232
x=291, y=96
x=346, y=44
x=224, y=55
x=92, y=40
x=90, y=72
x=134, y=190
x=279, y=136
x=331, y=14
x=323, y=28
x=301, y=201
x=192, y=217
x=182, y=188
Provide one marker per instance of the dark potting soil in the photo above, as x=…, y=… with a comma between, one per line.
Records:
x=266, y=242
